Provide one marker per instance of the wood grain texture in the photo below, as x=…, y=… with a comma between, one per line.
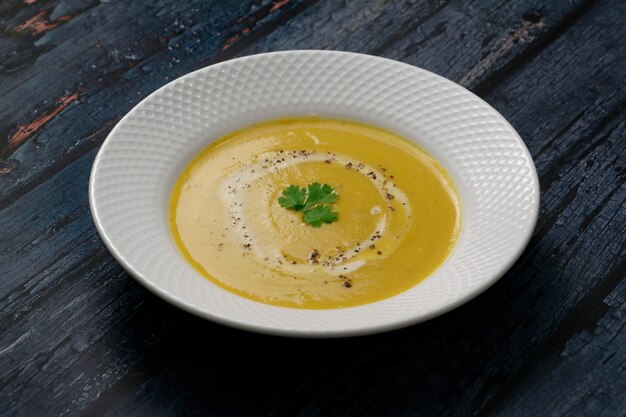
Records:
x=78, y=336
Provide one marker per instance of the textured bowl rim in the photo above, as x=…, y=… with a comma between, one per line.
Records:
x=307, y=333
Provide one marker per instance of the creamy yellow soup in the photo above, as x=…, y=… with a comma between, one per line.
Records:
x=398, y=213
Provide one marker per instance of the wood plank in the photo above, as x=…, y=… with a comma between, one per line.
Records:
x=593, y=359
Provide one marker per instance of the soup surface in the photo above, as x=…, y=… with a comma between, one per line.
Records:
x=397, y=214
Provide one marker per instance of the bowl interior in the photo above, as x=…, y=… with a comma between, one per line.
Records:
x=141, y=159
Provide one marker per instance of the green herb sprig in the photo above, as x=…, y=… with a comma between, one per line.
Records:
x=313, y=201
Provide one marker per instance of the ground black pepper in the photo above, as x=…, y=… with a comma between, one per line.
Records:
x=313, y=257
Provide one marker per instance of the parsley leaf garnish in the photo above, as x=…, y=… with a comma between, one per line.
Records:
x=319, y=214
x=293, y=198
x=313, y=202
x=318, y=193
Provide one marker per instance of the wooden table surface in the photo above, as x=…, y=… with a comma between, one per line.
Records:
x=78, y=336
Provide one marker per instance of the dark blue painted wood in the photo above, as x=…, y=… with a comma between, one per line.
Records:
x=79, y=337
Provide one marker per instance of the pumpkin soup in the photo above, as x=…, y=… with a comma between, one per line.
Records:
x=315, y=213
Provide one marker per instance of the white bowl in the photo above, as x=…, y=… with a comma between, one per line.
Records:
x=138, y=163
